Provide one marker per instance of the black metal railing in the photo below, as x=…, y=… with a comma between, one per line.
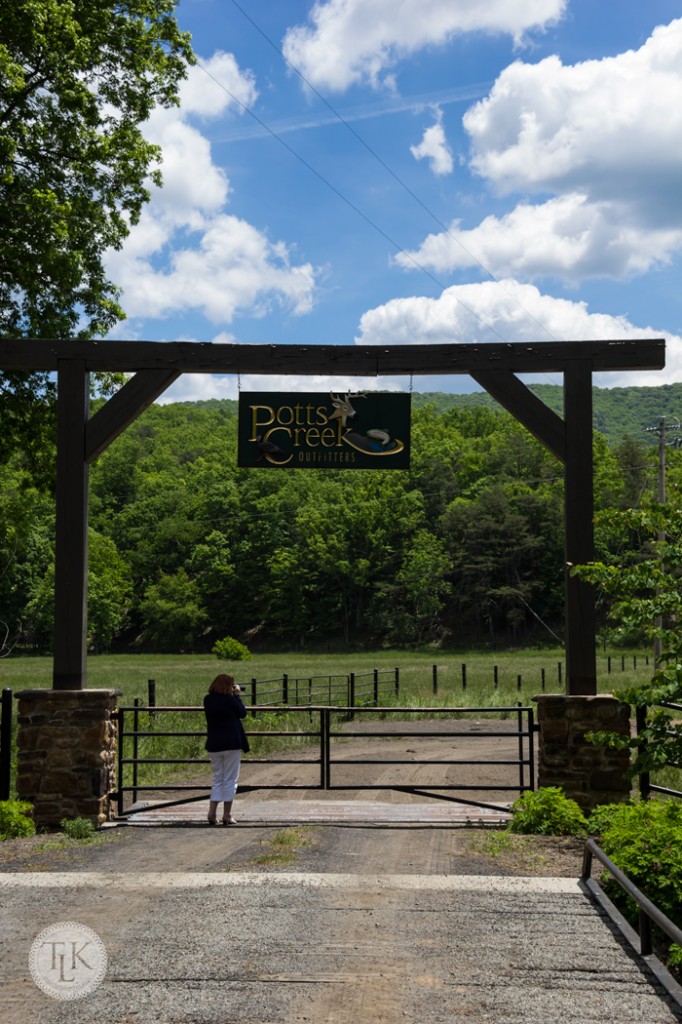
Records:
x=321, y=734
x=646, y=786
x=649, y=914
x=5, y=744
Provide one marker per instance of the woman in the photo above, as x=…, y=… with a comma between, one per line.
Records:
x=225, y=740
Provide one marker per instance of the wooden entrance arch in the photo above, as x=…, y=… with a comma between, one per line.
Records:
x=155, y=365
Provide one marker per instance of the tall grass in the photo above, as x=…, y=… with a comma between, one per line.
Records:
x=182, y=681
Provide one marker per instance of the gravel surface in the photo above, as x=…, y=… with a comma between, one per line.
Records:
x=295, y=947
x=332, y=923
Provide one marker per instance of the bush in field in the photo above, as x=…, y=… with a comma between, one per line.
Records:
x=230, y=649
x=15, y=820
x=548, y=812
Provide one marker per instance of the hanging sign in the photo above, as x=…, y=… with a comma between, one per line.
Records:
x=348, y=430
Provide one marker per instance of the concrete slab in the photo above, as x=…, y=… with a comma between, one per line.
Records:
x=314, y=811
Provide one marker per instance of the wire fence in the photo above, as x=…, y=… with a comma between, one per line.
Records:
x=353, y=689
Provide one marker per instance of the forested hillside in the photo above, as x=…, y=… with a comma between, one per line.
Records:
x=185, y=548
x=618, y=412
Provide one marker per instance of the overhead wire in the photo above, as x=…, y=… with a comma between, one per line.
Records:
x=353, y=206
x=363, y=142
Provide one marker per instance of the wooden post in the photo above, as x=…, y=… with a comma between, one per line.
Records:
x=581, y=656
x=71, y=546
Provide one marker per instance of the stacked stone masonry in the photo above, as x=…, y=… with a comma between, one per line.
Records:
x=589, y=774
x=66, y=746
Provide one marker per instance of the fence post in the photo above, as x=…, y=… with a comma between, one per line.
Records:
x=558, y=667
x=397, y=681
x=646, y=945
x=6, y=744
x=622, y=663
x=253, y=692
x=376, y=687
x=495, y=677
x=136, y=743
x=518, y=683
x=285, y=689
x=519, y=727
x=531, y=748
x=645, y=777
x=634, y=661
x=151, y=697
x=351, y=691
x=325, y=741
x=542, y=676
x=464, y=676
x=608, y=665
x=434, y=673
x=121, y=737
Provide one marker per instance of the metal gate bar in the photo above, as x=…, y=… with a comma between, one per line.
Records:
x=324, y=736
x=5, y=744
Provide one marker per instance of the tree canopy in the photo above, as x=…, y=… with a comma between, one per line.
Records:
x=465, y=547
x=78, y=79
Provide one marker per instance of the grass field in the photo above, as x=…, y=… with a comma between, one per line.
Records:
x=184, y=679
x=493, y=680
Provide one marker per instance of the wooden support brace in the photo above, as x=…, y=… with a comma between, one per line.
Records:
x=126, y=405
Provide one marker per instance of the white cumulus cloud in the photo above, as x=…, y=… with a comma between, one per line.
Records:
x=351, y=41
x=568, y=237
x=232, y=267
x=512, y=312
x=601, y=139
x=187, y=253
x=434, y=148
x=609, y=128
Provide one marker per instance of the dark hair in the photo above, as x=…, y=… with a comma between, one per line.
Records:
x=222, y=684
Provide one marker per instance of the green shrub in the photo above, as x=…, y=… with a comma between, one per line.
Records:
x=15, y=819
x=547, y=812
x=77, y=828
x=644, y=839
x=230, y=649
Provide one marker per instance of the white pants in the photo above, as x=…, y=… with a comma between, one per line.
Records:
x=225, y=766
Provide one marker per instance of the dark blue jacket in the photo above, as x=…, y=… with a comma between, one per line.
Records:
x=224, y=730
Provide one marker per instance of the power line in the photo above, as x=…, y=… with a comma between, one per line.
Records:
x=346, y=200
x=389, y=169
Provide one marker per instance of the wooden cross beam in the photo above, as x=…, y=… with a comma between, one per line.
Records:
x=157, y=364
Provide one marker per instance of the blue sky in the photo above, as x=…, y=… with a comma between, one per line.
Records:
x=415, y=171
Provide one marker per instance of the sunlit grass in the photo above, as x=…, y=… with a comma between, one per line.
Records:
x=427, y=679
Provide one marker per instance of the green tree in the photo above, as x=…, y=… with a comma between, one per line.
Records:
x=645, y=596
x=172, y=613
x=109, y=592
x=409, y=608
x=78, y=78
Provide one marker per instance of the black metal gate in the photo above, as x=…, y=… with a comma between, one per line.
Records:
x=5, y=744
x=328, y=728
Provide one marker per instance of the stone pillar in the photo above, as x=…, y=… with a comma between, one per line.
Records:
x=66, y=745
x=590, y=775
